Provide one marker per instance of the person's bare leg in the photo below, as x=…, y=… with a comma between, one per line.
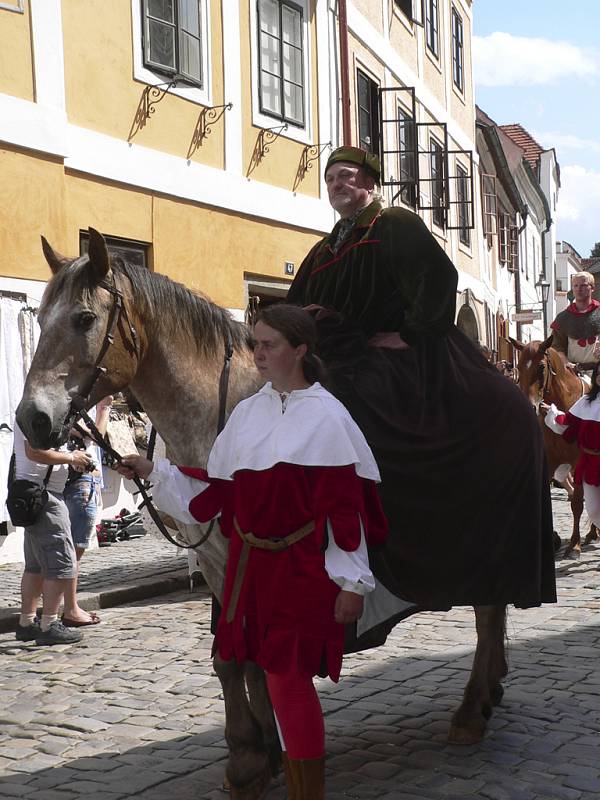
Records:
x=53, y=591
x=72, y=609
x=31, y=589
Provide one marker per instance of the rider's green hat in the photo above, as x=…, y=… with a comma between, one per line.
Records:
x=355, y=155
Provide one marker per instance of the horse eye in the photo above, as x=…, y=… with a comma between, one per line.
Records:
x=85, y=320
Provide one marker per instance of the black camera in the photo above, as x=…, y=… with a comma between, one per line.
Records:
x=75, y=443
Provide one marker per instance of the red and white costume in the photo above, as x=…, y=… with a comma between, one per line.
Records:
x=279, y=464
x=581, y=424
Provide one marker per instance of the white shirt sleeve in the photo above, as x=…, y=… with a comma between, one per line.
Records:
x=550, y=420
x=350, y=571
x=172, y=491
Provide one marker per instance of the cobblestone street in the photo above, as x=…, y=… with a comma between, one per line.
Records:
x=135, y=710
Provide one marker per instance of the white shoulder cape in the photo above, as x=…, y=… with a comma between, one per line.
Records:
x=315, y=430
x=586, y=410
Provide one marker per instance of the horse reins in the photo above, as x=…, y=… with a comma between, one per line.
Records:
x=78, y=402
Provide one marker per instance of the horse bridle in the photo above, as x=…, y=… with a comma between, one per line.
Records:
x=79, y=402
x=118, y=308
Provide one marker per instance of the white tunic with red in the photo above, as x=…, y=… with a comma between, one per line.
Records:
x=581, y=424
x=275, y=468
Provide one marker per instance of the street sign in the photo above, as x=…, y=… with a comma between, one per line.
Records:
x=526, y=317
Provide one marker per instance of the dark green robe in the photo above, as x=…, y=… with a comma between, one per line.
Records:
x=464, y=479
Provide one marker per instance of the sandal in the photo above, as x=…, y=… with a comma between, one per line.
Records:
x=75, y=623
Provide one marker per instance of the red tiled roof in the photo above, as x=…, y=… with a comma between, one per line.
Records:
x=588, y=264
x=525, y=141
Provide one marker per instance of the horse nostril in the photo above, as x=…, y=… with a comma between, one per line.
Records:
x=41, y=426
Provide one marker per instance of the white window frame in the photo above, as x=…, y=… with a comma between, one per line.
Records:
x=195, y=94
x=261, y=120
x=18, y=6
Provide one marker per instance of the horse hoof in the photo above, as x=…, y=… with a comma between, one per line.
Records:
x=496, y=694
x=465, y=736
x=255, y=789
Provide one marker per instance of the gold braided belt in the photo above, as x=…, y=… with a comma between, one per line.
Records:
x=590, y=452
x=250, y=540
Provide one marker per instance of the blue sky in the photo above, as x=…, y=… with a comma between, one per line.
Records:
x=537, y=62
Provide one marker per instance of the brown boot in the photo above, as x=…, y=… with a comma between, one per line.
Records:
x=292, y=777
x=305, y=778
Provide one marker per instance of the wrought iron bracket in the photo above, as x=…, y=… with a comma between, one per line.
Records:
x=151, y=97
x=206, y=119
x=310, y=154
x=265, y=138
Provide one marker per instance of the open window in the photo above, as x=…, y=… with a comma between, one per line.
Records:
x=367, y=94
x=461, y=216
x=173, y=39
x=413, y=10
x=399, y=144
x=489, y=206
x=504, y=225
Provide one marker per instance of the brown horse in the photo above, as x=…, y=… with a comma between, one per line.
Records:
x=168, y=345
x=544, y=377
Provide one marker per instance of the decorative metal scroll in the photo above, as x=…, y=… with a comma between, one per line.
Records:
x=310, y=154
x=151, y=97
x=206, y=119
x=265, y=138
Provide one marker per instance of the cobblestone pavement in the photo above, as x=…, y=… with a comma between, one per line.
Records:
x=135, y=710
x=121, y=563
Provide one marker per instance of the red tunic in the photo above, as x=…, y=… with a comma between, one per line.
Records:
x=284, y=616
x=586, y=432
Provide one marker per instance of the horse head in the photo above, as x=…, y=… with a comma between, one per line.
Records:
x=543, y=377
x=88, y=345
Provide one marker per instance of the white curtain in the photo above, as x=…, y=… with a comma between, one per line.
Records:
x=18, y=338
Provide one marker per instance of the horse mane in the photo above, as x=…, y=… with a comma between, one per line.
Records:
x=170, y=306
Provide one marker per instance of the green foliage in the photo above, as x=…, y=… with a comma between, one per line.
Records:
x=595, y=251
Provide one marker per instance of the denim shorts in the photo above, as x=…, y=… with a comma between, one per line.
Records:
x=48, y=545
x=81, y=499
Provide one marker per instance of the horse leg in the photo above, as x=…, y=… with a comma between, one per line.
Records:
x=248, y=770
x=484, y=689
x=574, y=545
x=262, y=709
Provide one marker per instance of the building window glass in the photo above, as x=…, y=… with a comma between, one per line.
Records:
x=173, y=38
x=129, y=250
x=406, y=156
x=432, y=26
x=436, y=155
x=281, y=70
x=457, y=50
x=368, y=113
x=462, y=196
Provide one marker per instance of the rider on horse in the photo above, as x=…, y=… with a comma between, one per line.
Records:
x=576, y=329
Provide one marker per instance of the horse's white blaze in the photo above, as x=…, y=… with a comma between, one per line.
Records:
x=528, y=364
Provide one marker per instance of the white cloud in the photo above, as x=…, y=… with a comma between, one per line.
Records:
x=578, y=212
x=566, y=141
x=504, y=60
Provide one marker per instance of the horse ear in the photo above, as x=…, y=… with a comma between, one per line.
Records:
x=516, y=343
x=545, y=344
x=98, y=254
x=55, y=261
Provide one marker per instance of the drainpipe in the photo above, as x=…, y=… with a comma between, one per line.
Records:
x=524, y=212
x=345, y=72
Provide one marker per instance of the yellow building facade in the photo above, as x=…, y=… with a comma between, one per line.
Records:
x=193, y=133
